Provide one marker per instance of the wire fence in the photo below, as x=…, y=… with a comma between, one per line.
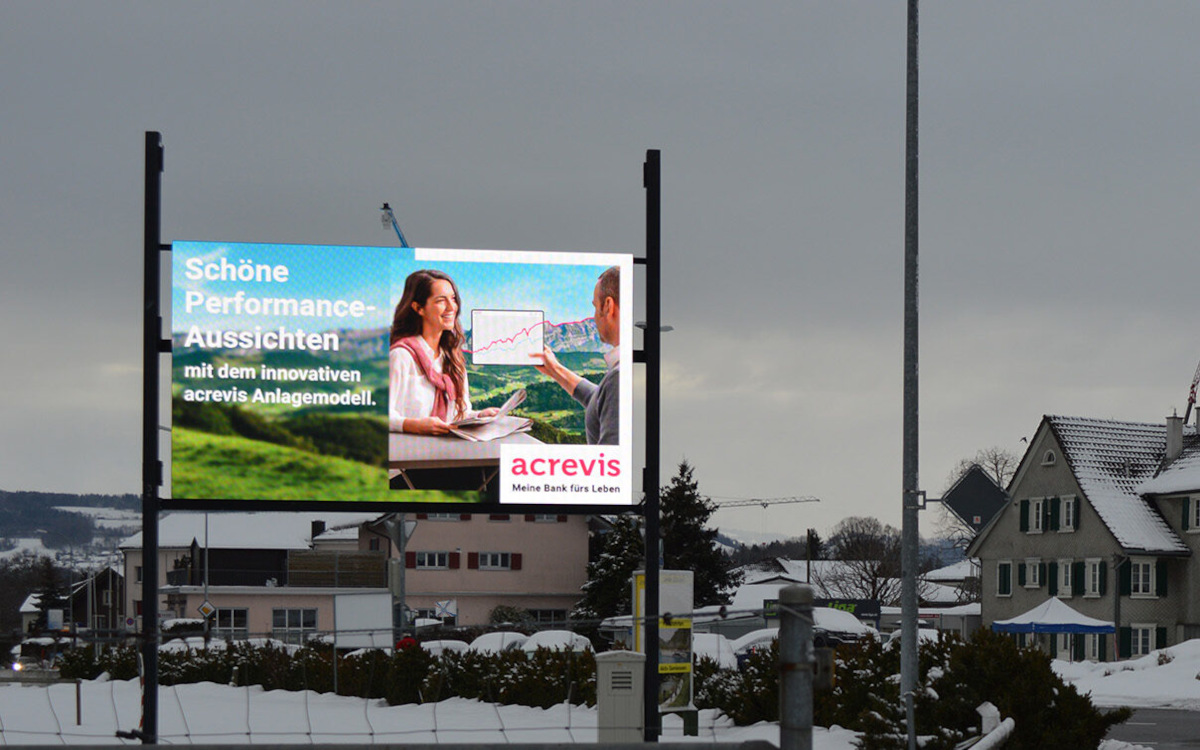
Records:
x=206, y=713
x=234, y=712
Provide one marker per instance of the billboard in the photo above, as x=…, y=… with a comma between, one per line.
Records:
x=306, y=374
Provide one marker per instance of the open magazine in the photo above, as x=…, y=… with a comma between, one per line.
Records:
x=501, y=424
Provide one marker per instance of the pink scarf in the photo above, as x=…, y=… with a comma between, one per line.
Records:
x=442, y=383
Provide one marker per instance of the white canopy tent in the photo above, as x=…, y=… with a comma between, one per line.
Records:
x=1052, y=616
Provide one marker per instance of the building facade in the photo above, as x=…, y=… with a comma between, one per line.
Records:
x=1099, y=517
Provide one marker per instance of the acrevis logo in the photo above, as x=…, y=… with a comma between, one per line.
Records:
x=568, y=467
x=566, y=475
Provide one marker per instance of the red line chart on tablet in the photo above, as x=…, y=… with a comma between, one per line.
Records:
x=506, y=337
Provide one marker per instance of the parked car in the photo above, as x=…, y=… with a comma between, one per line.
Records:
x=556, y=640
x=437, y=648
x=501, y=640
x=716, y=647
x=831, y=627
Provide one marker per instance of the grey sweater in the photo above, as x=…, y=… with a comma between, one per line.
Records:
x=602, y=408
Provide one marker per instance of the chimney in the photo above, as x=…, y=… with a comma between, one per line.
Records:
x=318, y=527
x=1174, y=437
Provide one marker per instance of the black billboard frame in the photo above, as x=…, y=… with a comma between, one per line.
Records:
x=154, y=345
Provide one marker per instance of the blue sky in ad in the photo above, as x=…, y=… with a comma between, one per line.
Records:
x=562, y=292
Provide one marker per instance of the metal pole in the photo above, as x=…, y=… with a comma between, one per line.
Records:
x=909, y=532
x=151, y=465
x=795, y=668
x=652, y=342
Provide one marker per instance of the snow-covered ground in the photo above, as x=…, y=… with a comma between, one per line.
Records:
x=27, y=545
x=209, y=713
x=1141, y=683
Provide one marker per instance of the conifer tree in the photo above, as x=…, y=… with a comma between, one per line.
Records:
x=50, y=593
x=608, y=591
x=688, y=543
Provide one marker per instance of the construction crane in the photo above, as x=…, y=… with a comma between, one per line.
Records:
x=388, y=217
x=1187, y=415
x=741, y=502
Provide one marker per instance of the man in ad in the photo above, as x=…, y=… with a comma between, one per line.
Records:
x=601, y=402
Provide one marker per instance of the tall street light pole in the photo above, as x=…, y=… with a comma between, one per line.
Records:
x=909, y=533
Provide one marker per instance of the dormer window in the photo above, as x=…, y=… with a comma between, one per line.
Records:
x=1049, y=459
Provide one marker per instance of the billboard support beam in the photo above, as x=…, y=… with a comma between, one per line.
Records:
x=152, y=469
x=653, y=357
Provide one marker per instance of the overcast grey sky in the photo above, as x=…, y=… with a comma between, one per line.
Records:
x=1059, y=183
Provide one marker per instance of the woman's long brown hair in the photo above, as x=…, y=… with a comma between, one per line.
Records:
x=406, y=322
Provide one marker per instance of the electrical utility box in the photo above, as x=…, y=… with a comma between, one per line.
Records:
x=619, y=696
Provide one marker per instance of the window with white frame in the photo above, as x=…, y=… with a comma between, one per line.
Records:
x=1033, y=578
x=1092, y=584
x=1037, y=520
x=1141, y=577
x=1093, y=646
x=231, y=622
x=1004, y=578
x=1141, y=639
x=1068, y=510
x=1193, y=513
x=433, y=560
x=293, y=625
x=1065, y=581
x=495, y=561
x=549, y=616
x=137, y=573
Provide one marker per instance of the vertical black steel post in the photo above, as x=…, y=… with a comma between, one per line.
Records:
x=909, y=531
x=652, y=346
x=151, y=465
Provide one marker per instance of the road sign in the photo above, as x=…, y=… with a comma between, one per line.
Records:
x=206, y=608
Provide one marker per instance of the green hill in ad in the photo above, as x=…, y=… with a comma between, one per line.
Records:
x=234, y=467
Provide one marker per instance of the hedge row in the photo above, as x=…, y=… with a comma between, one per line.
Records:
x=955, y=677
x=541, y=679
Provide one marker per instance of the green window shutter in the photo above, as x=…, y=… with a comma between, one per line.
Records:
x=1125, y=578
x=1024, y=515
x=1160, y=638
x=1126, y=642
x=1052, y=579
x=1160, y=577
x=1005, y=586
x=1103, y=577
x=1020, y=574
x=1077, y=578
x=1055, y=505
x=1187, y=514
x=1079, y=651
x=1078, y=508
x=1102, y=646
x=1041, y=574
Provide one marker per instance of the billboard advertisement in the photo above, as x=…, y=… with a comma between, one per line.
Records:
x=309, y=374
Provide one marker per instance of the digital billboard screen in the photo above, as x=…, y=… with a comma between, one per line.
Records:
x=307, y=374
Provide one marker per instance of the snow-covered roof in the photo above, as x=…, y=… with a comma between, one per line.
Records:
x=1182, y=474
x=1111, y=460
x=959, y=571
x=245, y=530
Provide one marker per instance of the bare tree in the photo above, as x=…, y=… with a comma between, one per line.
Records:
x=869, y=554
x=999, y=463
